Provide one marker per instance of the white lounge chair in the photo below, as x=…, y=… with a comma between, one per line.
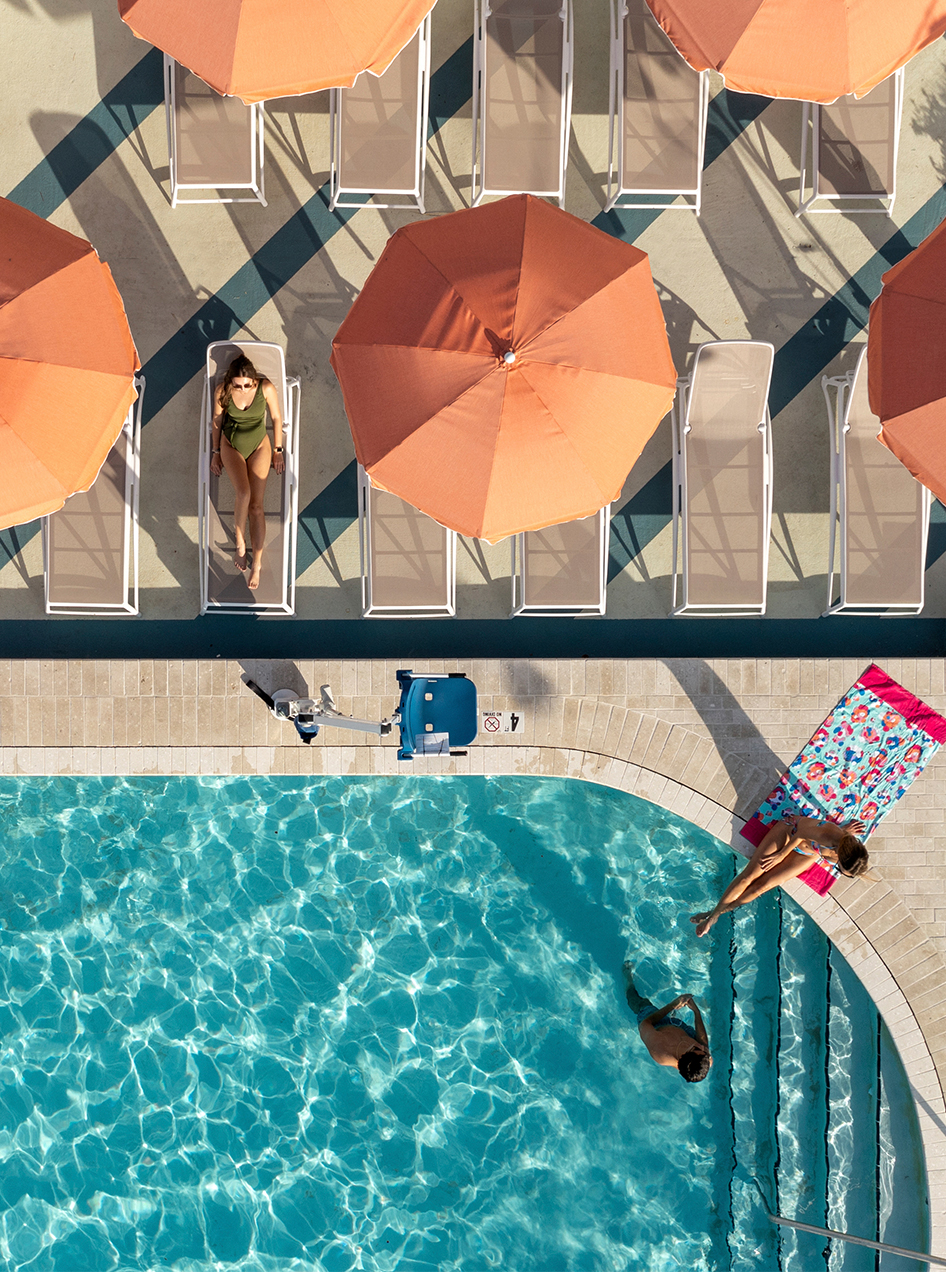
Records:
x=879, y=511
x=657, y=116
x=522, y=93
x=408, y=560
x=223, y=588
x=562, y=570
x=722, y=478
x=90, y=546
x=853, y=146
x=378, y=129
x=214, y=143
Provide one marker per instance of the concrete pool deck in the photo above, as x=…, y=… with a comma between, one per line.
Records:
x=704, y=739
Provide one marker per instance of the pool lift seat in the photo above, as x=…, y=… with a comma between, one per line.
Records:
x=436, y=712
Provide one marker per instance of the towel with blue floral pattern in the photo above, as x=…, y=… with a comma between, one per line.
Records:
x=861, y=760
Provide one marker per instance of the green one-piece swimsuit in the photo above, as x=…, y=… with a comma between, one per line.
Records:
x=245, y=430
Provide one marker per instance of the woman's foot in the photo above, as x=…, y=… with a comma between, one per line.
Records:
x=703, y=921
x=253, y=581
x=240, y=559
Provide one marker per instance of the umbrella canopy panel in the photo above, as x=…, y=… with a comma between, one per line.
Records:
x=906, y=361
x=504, y=367
x=767, y=46
x=259, y=49
x=67, y=362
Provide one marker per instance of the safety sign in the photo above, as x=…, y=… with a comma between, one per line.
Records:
x=502, y=722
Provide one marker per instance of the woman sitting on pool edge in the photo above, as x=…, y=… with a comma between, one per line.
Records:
x=241, y=446
x=788, y=849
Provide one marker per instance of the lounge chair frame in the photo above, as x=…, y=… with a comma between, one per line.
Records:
x=255, y=183
x=838, y=394
x=368, y=528
x=619, y=195
x=832, y=201
x=129, y=440
x=340, y=195
x=520, y=605
x=481, y=186
x=286, y=603
x=681, y=428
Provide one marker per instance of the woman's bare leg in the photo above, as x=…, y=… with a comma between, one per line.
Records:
x=776, y=837
x=789, y=868
x=235, y=465
x=257, y=467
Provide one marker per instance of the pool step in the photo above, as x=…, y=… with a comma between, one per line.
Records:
x=818, y=1106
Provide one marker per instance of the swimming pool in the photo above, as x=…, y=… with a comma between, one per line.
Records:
x=378, y=1023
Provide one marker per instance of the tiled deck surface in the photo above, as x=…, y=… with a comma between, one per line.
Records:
x=704, y=739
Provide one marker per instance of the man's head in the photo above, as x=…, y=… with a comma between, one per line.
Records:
x=694, y=1064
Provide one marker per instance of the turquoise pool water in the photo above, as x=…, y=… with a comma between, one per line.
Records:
x=278, y=1024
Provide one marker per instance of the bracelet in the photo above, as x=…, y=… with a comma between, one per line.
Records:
x=216, y=452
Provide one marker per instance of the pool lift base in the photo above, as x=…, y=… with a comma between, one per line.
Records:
x=435, y=712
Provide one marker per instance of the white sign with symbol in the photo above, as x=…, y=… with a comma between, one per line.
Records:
x=502, y=722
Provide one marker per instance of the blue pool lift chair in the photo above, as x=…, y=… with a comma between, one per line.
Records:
x=436, y=712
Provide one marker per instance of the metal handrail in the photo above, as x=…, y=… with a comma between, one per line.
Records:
x=863, y=1241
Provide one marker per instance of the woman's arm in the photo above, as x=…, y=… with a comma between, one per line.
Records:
x=216, y=432
x=777, y=844
x=275, y=411
x=828, y=834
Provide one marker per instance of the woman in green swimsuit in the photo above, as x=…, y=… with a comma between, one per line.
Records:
x=241, y=446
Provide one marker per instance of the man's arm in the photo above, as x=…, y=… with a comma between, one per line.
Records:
x=658, y=1015
x=699, y=1027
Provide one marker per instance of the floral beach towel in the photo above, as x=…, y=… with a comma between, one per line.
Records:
x=858, y=763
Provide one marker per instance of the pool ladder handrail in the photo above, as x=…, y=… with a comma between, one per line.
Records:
x=780, y=1220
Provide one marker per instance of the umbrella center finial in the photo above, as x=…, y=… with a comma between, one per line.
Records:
x=509, y=357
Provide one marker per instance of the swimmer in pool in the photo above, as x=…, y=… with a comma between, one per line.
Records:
x=241, y=446
x=671, y=1041
x=789, y=848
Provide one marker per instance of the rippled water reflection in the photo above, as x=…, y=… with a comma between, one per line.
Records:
x=285, y=1023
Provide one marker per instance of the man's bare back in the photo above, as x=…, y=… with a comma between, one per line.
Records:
x=670, y=1040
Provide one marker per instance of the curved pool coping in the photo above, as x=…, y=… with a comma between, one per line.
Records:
x=122, y=713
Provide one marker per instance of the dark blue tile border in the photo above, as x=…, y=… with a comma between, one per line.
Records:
x=218, y=636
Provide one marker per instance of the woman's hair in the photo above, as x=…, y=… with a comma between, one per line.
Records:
x=852, y=856
x=240, y=368
x=693, y=1065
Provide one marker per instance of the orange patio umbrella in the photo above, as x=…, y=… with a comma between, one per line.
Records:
x=906, y=361
x=67, y=362
x=258, y=49
x=812, y=50
x=504, y=366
